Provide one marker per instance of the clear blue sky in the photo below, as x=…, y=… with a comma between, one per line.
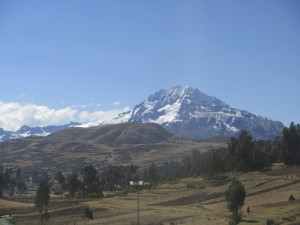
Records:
x=101, y=56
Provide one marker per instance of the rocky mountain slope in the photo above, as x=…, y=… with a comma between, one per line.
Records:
x=187, y=112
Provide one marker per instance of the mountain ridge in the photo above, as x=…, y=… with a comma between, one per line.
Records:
x=25, y=131
x=182, y=110
x=189, y=113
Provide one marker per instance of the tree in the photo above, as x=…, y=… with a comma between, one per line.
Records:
x=245, y=153
x=73, y=184
x=91, y=181
x=131, y=172
x=291, y=144
x=20, y=182
x=112, y=176
x=88, y=214
x=152, y=173
x=42, y=199
x=258, y=155
x=7, y=182
x=60, y=178
x=235, y=197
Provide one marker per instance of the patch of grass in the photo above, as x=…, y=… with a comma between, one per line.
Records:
x=121, y=193
x=175, y=181
x=130, y=189
x=217, y=180
x=195, y=186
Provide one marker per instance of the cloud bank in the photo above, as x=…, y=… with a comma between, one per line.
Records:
x=14, y=115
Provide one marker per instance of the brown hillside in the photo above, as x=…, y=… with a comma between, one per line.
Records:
x=73, y=148
x=125, y=133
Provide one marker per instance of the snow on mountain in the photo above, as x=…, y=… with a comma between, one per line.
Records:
x=187, y=112
x=177, y=104
x=183, y=111
x=121, y=118
x=26, y=131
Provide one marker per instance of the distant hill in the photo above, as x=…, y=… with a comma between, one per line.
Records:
x=26, y=131
x=124, y=133
x=72, y=148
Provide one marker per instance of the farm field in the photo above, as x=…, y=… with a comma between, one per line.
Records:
x=186, y=201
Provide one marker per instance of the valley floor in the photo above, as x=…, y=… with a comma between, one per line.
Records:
x=174, y=203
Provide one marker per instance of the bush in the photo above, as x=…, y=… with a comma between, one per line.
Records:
x=121, y=193
x=174, y=181
x=195, y=186
x=87, y=213
x=130, y=189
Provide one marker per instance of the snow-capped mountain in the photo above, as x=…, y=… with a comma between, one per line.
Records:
x=187, y=112
x=183, y=111
x=26, y=131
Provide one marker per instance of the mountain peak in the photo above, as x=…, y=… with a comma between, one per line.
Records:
x=174, y=93
x=181, y=91
x=187, y=112
x=183, y=111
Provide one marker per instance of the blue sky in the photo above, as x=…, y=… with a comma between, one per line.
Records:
x=87, y=60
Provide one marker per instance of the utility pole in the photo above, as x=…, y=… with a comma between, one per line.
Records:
x=138, y=184
x=138, y=205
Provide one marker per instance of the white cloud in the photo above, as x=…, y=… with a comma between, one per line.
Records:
x=13, y=115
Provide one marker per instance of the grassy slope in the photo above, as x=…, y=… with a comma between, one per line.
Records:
x=120, y=144
x=267, y=195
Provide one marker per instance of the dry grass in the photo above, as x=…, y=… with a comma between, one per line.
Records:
x=268, y=194
x=74, y=148
x=5, y=204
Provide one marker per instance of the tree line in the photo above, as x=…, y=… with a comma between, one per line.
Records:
x=11, y=181
x=243, y=153
x=89, y=182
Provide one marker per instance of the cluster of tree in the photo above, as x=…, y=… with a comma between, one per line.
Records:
x=91, y=183
x=11, y=181
x=42, y=200
x=88, y=186
x=291, y=144
x=205, y=164
x=243, y=153
x=114, y=176
x=37, y=175
x=246, y=153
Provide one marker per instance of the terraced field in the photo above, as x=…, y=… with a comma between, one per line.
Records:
x=173, y=203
